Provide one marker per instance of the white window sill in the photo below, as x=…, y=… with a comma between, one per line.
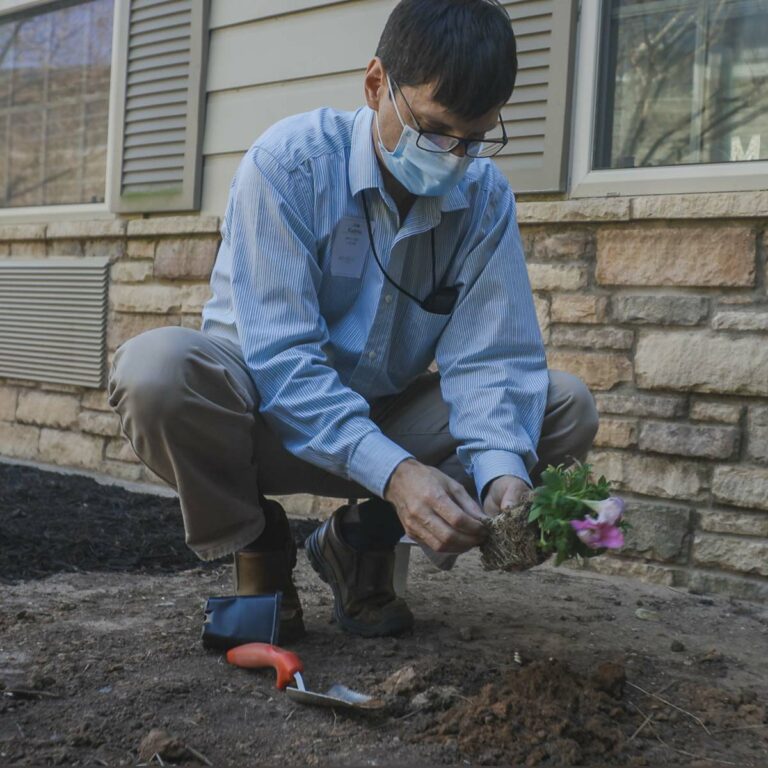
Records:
x=42, y=214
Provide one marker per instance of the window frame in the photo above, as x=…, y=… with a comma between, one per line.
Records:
x=657, y=180
x=68, y=211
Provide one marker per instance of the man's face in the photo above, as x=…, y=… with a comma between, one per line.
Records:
x=428, y=115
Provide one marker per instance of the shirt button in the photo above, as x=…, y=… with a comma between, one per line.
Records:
x=388, y=298
x=372, y=355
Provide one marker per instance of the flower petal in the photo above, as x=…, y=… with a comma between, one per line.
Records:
x=611, y=510
x=612, y=537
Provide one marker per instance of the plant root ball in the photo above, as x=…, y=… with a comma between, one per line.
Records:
x=512, y=543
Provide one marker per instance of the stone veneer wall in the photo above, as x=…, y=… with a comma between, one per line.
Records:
x=659, y=303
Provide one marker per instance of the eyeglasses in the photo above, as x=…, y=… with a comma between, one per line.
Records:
x=445, y=142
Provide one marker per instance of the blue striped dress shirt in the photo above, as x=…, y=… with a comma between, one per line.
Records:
x=324, y=334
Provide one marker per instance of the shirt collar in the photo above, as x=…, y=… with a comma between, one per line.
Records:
x=364, y=171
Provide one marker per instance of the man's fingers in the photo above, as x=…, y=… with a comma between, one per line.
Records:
x=430, y=529
x=466, y=502
x=458, y=519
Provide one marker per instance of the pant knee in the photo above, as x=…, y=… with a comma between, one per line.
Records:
x=147, y=375
x=579, y=412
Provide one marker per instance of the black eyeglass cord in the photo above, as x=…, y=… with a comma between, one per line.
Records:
x=402, y=290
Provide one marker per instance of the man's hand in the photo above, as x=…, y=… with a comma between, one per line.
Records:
x=504, y=491
x=434, y=509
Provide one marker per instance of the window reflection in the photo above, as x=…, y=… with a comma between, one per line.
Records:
x=683, y=82
x=54, y=101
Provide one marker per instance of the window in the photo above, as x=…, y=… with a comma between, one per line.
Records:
x=54, y=103
x=676, y=96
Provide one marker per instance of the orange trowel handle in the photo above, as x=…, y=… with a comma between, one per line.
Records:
x=259, y=655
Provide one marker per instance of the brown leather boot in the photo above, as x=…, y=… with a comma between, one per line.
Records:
x=258, y=573
x=364, y=599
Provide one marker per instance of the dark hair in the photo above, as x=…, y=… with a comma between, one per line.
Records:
x=465, y=47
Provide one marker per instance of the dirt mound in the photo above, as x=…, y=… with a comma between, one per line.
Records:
x=541, y=715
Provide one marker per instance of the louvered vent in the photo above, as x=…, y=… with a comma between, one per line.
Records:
x=159, y=104
x=156, y=98
x=53, y=320
x=536, y=116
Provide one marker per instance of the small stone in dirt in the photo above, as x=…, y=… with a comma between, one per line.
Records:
x=646, y=615
x=610, y=677
x=468, y=633
x=711, y=657
x=436, y=697
x=402, y=681
x=676, y=646
x=159, y=742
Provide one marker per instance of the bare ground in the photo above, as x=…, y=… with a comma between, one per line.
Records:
x=501, y=669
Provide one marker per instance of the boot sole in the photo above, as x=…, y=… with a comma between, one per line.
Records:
x=382, y=629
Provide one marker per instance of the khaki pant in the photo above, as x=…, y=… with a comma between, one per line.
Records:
x=189, y=407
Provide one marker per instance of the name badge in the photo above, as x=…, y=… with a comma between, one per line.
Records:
x=349, y=248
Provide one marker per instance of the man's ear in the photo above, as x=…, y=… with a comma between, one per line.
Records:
x=375, y=83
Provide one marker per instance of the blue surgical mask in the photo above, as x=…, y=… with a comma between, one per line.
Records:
x=423, y=173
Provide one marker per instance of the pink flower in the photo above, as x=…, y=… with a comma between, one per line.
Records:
x=602, y=531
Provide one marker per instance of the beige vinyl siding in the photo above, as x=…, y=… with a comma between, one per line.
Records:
x=271, y=59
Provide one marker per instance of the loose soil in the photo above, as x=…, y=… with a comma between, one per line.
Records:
x=100, y=623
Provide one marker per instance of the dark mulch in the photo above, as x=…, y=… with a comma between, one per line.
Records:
x=51, y=522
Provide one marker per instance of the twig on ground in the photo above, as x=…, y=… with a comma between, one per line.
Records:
x=289, y=715
x=670, y=704
x=690, y=754
x=24, y=693
x=642, y=725
x=159, y=759
x=199, y=755
x=741, y=728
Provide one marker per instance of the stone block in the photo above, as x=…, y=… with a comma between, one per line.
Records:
x=157, y=299
x=102, y=423
x=71, y=449
x=632, y=404
x=18, y=441
x=120, y=449
x=740, y=321
x=740, y=587
x=657, y=532
x=599, y=370
x=578, y=308
x=557, y=277
x=576, y=244
x=757, y=433
x=141, y=249
x=566, y=211
x=190, y=259
x=47, y=409
x=741, y=486
x=631, y=569
x=704, y=442
x=714, y=255
x=131, y=271
x=8, y=399
x=63, y=248
x=660, y=310
x=110, y=249
x=28, y=249
x=93, y=229
x=122, y=327
x=702, y=361
x=541, y=302
x=730, y=553
x=12, y=232
x=191, y=321
x=707, y=410
x=298, y=505
x=723, y=205
x=651, y=475
x=591, y=338
x=616, y=433
x=95, y=400
x=132, y=473
x=173, y=225
x=731, y=521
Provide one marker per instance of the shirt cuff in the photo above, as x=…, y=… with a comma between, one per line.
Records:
x=492, y=464
x=374, y=460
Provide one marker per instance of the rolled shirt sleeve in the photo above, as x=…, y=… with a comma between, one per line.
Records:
x=283, y=336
